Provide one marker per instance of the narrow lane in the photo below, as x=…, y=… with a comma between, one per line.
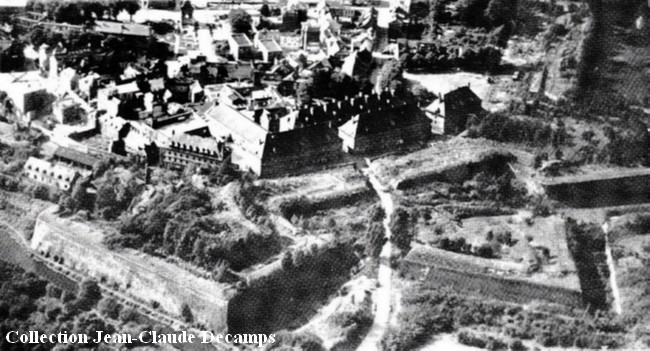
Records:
x=382, y=296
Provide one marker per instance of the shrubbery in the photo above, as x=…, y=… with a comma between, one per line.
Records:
x=502, y=128
x=429, y=310
x=183, y=224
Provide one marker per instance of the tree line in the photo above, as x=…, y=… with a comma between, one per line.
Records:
x=78, y=13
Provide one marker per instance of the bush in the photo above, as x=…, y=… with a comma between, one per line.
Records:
x=240, y=21
x=109, y=307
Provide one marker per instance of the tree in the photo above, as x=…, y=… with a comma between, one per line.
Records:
x=439, y=11
x=89, y=294
x=402, y=229
x=240, y=21
x=69, y=13
x=321, y=82
x=501, y=12
x=375, y=239
x=304, y=92
x=472, y=11
x=109, y=307
x=131, y=7
x=186, y=313
x=265, y=11
x=389, y=75
x=37, y=37
x=80, y=198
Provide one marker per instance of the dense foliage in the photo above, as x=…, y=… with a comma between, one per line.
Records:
x=240, y=21
x=184, y=223
x=30, y=303
x=82, y=12
x=428, y=310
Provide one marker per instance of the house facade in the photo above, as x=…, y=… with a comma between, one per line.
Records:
x=188, y=150
x=53, y=175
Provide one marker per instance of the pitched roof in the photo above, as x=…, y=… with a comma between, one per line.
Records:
x=39, y=165
x=299, y=140
x=241, y=39
x=230, y=122
x=200, y=144
x=120, y=28
x=378, y=121
x=75, y=156
x=128, y=88
x=462, y=93
x=270, y=45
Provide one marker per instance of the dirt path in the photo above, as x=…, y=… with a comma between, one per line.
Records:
x=382, y=296
x=616, y=294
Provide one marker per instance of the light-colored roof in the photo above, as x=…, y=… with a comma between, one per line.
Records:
x=128, y=88
x=226, y=121
x=38, y=165
x=200, y=144
x=241, y=40
x=120, y=28
x=270, y=45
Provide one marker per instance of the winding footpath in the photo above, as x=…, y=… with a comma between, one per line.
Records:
x=382, y=296
x=616, y=304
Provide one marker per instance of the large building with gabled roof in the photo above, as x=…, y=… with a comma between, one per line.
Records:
x=270, y=154
x=385, y=126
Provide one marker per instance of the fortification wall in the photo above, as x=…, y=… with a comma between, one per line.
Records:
x=297, y=205
x=494, y=163
x=146, y=278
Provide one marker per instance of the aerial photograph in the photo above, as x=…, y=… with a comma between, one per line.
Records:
x=320, y=175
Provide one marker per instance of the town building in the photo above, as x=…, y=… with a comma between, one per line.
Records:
x=74, y=158
x=268, y=154
x=67, y=110
x=50, y=174
x=385, y=126
x=241, y=48
x=187, y=150
x=123, y=29
x=269, y=49
x=451, y=111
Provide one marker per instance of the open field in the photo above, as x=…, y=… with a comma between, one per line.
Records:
x=544, y=233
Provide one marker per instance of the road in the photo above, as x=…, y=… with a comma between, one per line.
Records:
x=382, y=296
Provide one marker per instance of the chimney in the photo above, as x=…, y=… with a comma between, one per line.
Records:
x=338, y=103
x=365, y=97
x=311, y=111
x=352, y=101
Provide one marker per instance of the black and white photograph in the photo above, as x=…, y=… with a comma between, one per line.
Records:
x=324, y=175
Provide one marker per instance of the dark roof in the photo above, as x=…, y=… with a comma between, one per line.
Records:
x=75, y=156
x=299, y=140
x=379, y=121
x=462, y=93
